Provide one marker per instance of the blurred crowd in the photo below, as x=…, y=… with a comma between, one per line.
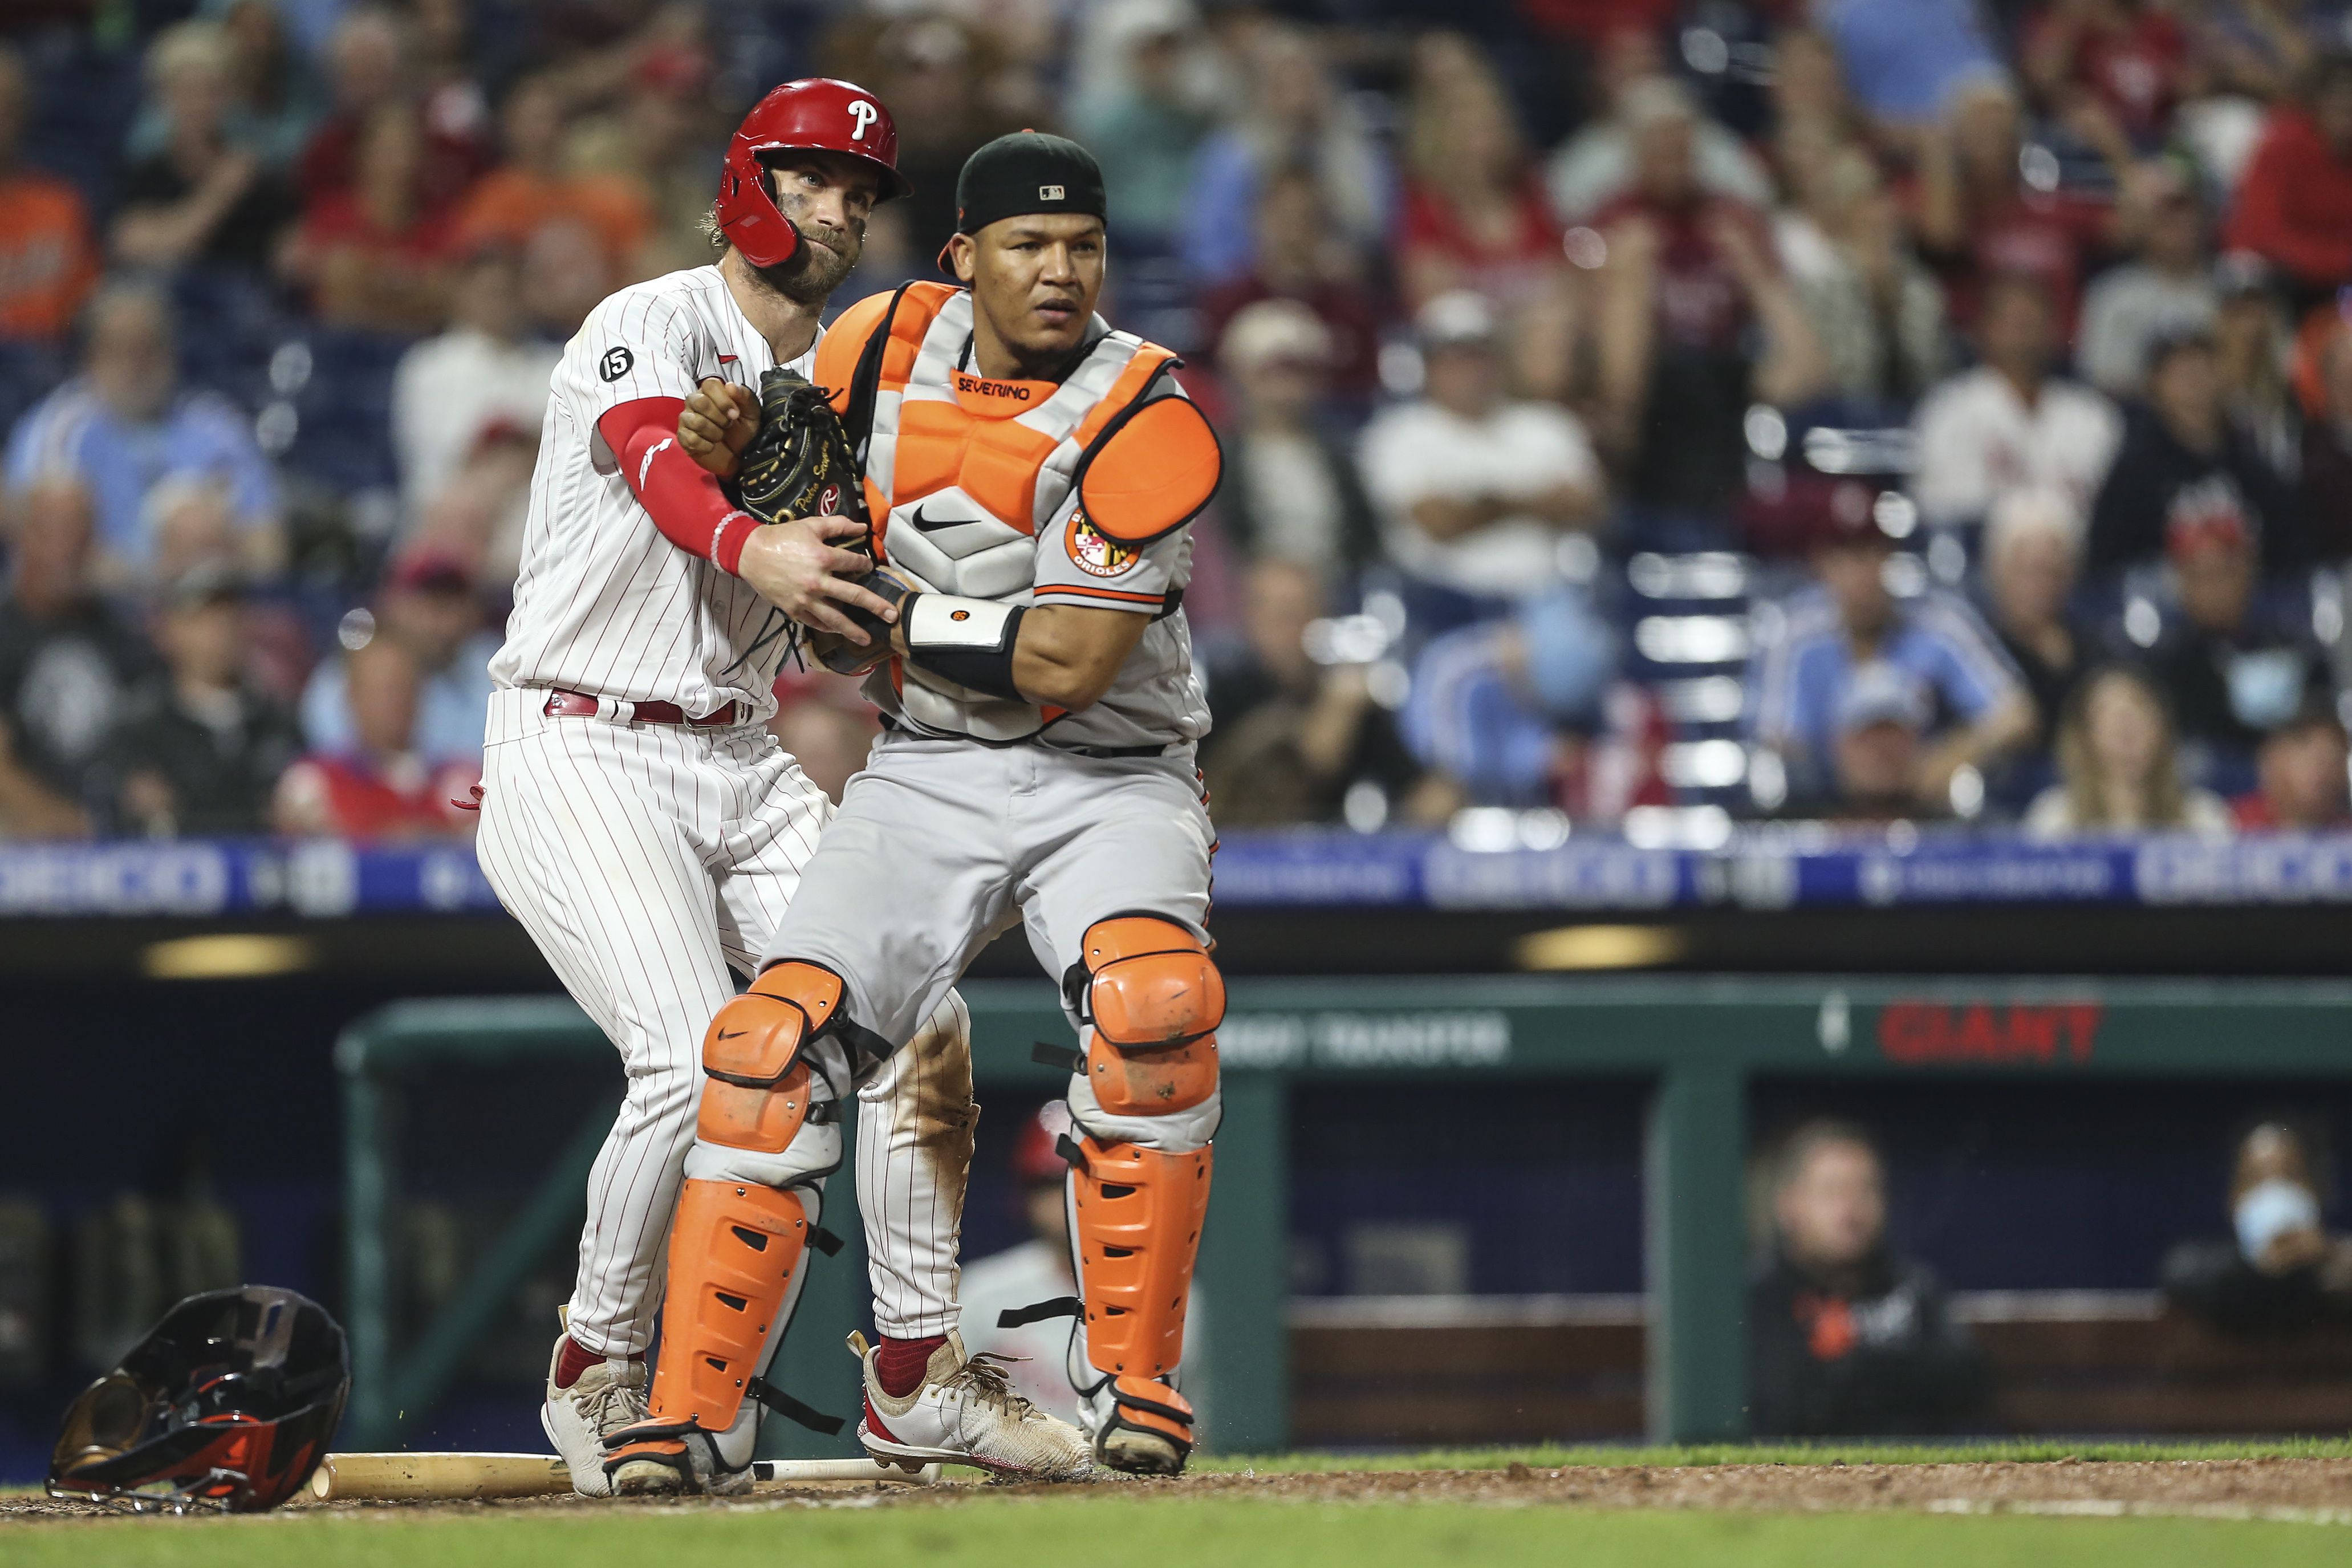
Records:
x=1638, y=414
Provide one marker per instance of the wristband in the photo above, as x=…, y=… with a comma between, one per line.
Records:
x=967, y=641
x=727, y=542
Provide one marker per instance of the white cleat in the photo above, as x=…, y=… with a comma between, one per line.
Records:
x=965, y=1413
x=609, y=1395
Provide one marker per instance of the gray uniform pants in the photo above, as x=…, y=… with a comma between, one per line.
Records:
x=940, y=845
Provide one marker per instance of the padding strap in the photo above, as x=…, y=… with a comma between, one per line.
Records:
x=1047, y=1054
x=1123, y=1389
x=865, y=382
x=967, y=641
x=1069, y=1149
x=824, y=1241
x=1038, y=1311
x=792, y=1409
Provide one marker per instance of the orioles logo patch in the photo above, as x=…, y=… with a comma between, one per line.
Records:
x=1096, y=551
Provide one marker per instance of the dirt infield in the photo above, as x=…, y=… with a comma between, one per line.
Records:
x=2315, y=1490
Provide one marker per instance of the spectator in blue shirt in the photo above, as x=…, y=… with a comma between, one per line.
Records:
x=1904, y=58
x=1977, y=707
x=1526, y=710
x=429, y=608
x=1295, y=116
x=125, y=424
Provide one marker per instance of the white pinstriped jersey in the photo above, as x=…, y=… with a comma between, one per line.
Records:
x=605, y=604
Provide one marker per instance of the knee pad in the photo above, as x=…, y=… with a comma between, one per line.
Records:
x=1154, y=999
x=757, y=1078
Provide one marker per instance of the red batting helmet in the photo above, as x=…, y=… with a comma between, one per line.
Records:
x=815, y=113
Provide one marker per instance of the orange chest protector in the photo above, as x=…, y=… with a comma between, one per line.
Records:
x=1009, y=451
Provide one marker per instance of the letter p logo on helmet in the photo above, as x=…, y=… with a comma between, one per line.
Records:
x=861, y=115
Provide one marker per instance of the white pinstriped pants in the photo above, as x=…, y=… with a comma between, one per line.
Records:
x=646, y=861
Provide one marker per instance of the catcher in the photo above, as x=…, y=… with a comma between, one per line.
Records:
x=1033, y=473
x=647, y=830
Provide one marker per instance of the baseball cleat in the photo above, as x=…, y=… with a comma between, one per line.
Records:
x=965, y=1413
x=609, y=1395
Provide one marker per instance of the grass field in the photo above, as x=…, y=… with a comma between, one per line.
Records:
x=1996, y=1451
x=2030, y=1506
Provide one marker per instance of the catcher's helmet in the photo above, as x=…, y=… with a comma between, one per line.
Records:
x=815, y=113
x=229, y=1402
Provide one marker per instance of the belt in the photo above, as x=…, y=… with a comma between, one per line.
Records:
x=1160, y=748
x=580, y=705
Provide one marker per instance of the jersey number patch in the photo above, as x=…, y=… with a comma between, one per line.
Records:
x=615, y=363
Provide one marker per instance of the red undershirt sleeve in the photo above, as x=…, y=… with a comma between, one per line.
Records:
x=682, y=497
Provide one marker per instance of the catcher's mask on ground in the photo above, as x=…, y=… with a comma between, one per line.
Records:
x=228, y=1402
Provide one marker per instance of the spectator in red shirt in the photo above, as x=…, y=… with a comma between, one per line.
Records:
x=1696, y=323
x=2126, y=57
x=1980, y=217
x=2299, y=775
x=379, y=255
x=45, y=261
x=381, y=787
x=1300, y=256
x=2295, y=201
x=372, y=61
x=1475, y=214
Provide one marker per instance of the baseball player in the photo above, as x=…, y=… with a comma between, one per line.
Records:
x=649, y=832
x=1032, y=473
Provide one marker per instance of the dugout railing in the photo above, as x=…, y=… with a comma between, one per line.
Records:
x=1700, y=1041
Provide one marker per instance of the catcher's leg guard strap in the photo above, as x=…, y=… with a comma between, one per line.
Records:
x=1138, y=1214
x=1155, y=1000
x=1151, y=1406
x=733, y=1250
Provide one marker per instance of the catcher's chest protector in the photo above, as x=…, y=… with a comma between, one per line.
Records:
x=964, y=472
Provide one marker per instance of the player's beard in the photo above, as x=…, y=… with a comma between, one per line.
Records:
x=816, y=268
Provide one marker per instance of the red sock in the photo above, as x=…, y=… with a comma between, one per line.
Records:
x=900, y=1364
x=575, y=1361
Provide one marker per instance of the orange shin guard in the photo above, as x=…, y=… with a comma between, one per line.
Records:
x=1138, y=1230
x=732, y=1252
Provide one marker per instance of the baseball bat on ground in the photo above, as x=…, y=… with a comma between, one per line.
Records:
x=456, y=1477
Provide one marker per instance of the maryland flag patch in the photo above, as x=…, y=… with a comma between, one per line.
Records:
x=1095, y=552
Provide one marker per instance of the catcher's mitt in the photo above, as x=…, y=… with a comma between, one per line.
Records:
x=799, y=464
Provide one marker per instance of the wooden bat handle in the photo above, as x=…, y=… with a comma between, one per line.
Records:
x=453, y=1477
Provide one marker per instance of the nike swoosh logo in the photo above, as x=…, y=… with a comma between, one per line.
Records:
x=933, y=524
x=736, y=1034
